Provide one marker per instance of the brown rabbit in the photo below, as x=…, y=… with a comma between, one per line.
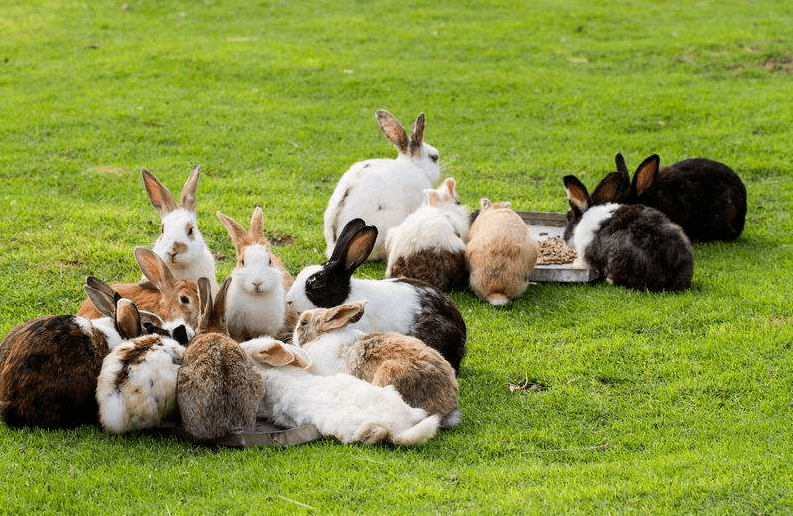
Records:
x=217, y=389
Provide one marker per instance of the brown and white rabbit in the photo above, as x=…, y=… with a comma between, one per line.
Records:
x=704, y=197
x=429, y=245
x=161, y=293
x=402, y=305
x=218, y=390
x=255, y=304
x=180, y=243
x=419, y=373
x=49, y=365
x=500, y=253
x=340, y=405
x=634, y=246
x=383, y=191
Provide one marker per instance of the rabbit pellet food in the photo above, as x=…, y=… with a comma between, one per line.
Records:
x=554, y=250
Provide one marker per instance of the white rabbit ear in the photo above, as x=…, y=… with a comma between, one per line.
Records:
x=160, y=197
x=342, y=315
x=450, y=185
x=393, y=130
x=256, y=232
x=484, y=202
x=127, y=319
x=155, y=269
x=417, y=135
x=189, y=190
x=577, y=194
x=433, y=197
x=645, y=174
x=237, y=233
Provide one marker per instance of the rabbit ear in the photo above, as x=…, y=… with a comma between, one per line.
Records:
x=349, y=231
x=213, y=320
x=127, y=319
x=190, y=186
x=155, y=269
x=150, y=318
x=102, y=296
x=433, y=197
x=621, y=166
x=393, y=130
x=160, y=197
x=577, y=194
x=342, y=315
x=451, y=185
x=237, y=233
x=611, y=188
x=359, y=247
x=256, y=232
x=645, y=174
x=484, y=202
x=279, y=355
x=204, y=299
x=417, y=135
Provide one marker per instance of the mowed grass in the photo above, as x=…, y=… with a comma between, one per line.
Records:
x=630, y=402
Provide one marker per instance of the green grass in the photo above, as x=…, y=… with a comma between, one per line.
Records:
x=645, y=403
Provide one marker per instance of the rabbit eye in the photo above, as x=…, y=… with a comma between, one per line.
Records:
x=162, y=228
x=190, y=230
x=184, y=300
x=434, y=158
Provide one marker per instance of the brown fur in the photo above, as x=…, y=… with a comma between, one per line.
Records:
x=135, y=355
x=162, y=294
x=500, y=254
x=444, y=270
x=218, y=390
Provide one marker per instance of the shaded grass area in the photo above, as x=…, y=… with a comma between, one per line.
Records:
x=633, y=402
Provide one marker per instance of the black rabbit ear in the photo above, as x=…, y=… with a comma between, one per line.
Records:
x=350, y=229
x=645, y=174
x=577, y=194
x=621, y=166
x=612, y=188
x=359, y=247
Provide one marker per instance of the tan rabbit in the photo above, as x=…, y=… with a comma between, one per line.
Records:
x=170, y=298
x=500, y=253
x=218, y=390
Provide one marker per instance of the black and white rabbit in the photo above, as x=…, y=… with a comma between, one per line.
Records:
x=384, y=191
x=704, y=197
x=403, y=305
x=633, y=246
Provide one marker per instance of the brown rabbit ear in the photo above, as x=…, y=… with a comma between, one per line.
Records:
x=278, y=356
x=189, y=189
x=128, y=322
x=359, y=247
x=342, y=315
x=101, y=295
x=204, y=301
x=417, y=135
x=256, y=233
x=393, y=130
x=213, y=320
x=645, y=174
x=155, y=269
x=236, y=232
x=577, y=194
x=433, y=197
x=150, y=318
x=612, y=188
x=160, y=197
x=484, y=202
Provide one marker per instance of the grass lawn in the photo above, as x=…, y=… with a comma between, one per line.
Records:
x=641, y=403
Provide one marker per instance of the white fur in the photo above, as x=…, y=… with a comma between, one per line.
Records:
x=148, y=394
x=197, y=261
x=341, y=405
x=390, y=305
x=584, y=232
x=327, y=353
x=255, y=303
x=105, y=325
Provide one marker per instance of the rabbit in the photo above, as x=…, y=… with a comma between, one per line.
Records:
x=170, y=298
x=49, y=365
x=419, y=373
x=180, y=243
x=430, y=243
x=383, y=191
x=217, y=389
x=500, y=253
x=255, y=304
x=634, y=246
x=401, y=305
x=706, y=198
x=340, y=405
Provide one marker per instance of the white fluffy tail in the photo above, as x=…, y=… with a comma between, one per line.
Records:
x=452, y=419
x=419, y=433
x=113, y=414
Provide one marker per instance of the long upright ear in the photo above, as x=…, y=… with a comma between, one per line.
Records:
x=621, y=166
x=102, y=296
x=432, y=196
x=127, y=320
x=190, y=186
x=205, y=300
x=417, y=135
x=577, y=194
x=236, y=232
x=392, y=130
x=359, y=247
x=256, y=232
x=155, y=269
x=645, y=174
x=160, y=197
x=348, y=231
x=342, y=315
x=612, y=188
x=214, y=321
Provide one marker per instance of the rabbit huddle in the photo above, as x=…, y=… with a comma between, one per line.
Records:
x=370, y=360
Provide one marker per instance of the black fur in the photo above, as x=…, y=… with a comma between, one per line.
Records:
x=330, y=286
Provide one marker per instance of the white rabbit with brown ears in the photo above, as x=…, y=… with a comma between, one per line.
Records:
x=180, y=243
x=384, y=191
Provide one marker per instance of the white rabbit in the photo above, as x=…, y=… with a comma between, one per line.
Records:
x=384, y=191
x=418, y=372
x=341, y=405
x=255, y=304
x=180, y=243
x=430, y=243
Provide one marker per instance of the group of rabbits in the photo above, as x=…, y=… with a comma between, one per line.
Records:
x=361, y=359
